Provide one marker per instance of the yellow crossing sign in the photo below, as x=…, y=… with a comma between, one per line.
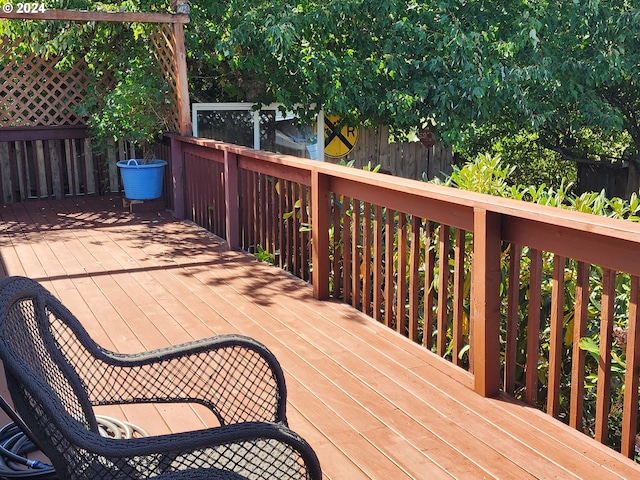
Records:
x=338, y=139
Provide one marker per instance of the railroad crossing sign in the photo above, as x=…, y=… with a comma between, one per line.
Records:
x=338, y=139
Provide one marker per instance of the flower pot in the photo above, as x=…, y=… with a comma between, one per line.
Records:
x=142, y=181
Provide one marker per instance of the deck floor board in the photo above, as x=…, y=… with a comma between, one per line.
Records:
x=372, y=403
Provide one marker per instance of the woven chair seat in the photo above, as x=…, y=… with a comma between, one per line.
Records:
x=57, y=374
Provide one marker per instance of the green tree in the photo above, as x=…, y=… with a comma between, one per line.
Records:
x=565, y=70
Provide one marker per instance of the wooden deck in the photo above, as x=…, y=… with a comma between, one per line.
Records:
x=371, y=403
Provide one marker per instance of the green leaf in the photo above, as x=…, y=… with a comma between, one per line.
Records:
x=589, y=345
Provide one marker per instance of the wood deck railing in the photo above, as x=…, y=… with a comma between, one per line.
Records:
x=507, y=290
x=46, y=162
x=49, y=162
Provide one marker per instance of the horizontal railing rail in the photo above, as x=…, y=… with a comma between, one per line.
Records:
x=532, y=301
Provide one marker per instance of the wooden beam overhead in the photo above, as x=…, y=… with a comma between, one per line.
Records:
x=91, y=16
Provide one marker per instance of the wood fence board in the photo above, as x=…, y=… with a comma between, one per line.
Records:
x=403, y=159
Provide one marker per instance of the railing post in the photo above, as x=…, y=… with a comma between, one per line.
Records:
x=485, y=302
x=320, y=222
x=232, y=200
x=177, y=177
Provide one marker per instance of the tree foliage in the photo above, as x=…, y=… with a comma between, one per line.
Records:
x=569, y=72
x=566, y=70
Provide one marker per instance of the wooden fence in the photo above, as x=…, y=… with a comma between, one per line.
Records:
x=403, y=159
x=618, y=180
x=532, y=301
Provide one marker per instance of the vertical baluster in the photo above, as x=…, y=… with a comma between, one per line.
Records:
x=89, y=167
x=36, y=159
x=458, y=295
x=233, y=212
x=304, y=236
x=297, y=199
x=355, y=254
x=214, y=196
x=430, y=261
x=282, y=223
x=513, y=302
x=217, y=172
x=264, y=195
x=189, y=167
x=268, y=214
x=401, y=300
x=579, y=331
x=71, y=167
x=205, y=200
x=248, y=211
x=195, y=189
x=377, y=263
x=533, y=326
x=555, y=347
x=244, y=208
x=256, y=210
x=49, y=172
x=366, y=260
x=604, y=362
x=290, y=208
x=414, y=275
x=337, y=248
x=388, y=267
x=443, y=289
x=60, y=161
x=207, y=195
x=346, y=254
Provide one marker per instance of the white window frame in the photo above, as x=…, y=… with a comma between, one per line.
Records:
x=250, y=107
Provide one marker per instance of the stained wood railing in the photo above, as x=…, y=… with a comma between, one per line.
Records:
x=40, y=162
x=509, y=291
x=46, y=162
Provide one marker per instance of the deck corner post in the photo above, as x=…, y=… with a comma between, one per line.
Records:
x=320, y=223
x=232, y=200
x=485, y=302
x=177, y=177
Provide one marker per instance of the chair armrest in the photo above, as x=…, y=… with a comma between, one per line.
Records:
x=235, y=376
x=266, y=449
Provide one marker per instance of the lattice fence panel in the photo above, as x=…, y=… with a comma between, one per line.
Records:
x=161, y=40
x=34, y=91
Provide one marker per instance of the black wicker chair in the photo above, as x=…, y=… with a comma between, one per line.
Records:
x=56, y=374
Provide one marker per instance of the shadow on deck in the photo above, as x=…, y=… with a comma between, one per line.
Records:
x=372, y=403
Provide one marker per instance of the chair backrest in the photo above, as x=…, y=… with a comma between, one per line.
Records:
x=35, y=330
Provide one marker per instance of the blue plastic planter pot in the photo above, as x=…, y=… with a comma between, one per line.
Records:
x=142, y=181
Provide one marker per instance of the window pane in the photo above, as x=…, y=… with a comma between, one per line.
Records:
x=286, y=134
x=232, y=126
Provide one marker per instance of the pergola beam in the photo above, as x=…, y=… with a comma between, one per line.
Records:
x=87, y=16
